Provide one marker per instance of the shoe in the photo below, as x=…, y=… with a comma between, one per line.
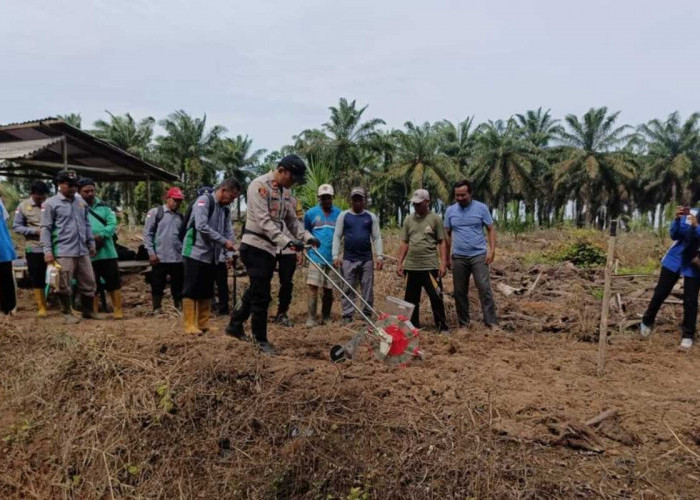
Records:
x=40, y=302
x=310, y=323
x=203, y=314
x=189, y=313
x=87, y=305
x=284, y=320
x=235, y=330
x=686, y=343
x=116, y=296
x=325, y=320
x=266, y=348
x=645, y=330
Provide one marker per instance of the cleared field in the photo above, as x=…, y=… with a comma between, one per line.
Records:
x=136, y=409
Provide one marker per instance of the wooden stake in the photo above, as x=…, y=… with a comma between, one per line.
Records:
x=605, y=309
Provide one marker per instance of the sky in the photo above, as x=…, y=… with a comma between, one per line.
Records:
x=270, y=69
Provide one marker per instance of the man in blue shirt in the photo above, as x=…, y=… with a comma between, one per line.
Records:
x=685, y=233
x=8, y=292
x=471, y=253
x=358, y=229
x=320, y=222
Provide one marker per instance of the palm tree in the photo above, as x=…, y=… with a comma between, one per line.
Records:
x=345, y=139
x=595, y=168
x=672, y=153
x=419, y=163
x=124, y=133
x=73, y=119
x=237, y=160
x=458, y=140
x=538, y=127
x=503, y=164
x=188, y=148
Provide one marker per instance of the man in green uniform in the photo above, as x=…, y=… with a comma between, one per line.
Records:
x=104, y=264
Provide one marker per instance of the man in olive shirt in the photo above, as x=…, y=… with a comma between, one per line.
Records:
x=423, y=236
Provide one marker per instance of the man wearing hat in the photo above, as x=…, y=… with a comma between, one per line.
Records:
x=422, y=239
x=320, y=221
x=28, y=223
x=162, y=241
x=357, y=230
x=105, y=265
x=269, y=211
x=208, y=233
x=67, y=240
x=8, y=290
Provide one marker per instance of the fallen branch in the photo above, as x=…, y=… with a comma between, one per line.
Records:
x=603, y=416
x=529, y=291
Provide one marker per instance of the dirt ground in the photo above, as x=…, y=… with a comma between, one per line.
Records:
x=136, y=409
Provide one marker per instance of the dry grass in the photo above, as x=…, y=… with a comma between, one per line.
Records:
x=134, y=409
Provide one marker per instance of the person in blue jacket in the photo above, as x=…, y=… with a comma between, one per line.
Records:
x=676, y=263
x=8, y=293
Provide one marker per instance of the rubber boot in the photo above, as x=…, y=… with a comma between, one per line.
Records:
x=203, y=314
x=177, y=303
x=313, y=306
x=326, y=305
x=157, y=302
x=96, y=304
x=87, y=304
x=189, y=313
x=40, y=302
x=66, y=310
x=116, y=296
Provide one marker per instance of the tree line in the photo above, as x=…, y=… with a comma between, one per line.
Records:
x=529, y=167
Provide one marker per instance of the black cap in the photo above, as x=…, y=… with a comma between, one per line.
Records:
x=205, y=190
x=85, y=181
x=296, y=166
x=66, y=175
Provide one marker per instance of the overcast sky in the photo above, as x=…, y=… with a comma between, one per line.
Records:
x=271, y=68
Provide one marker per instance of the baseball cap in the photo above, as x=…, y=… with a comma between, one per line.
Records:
x=358, y=191
x=66, y=175
x=420, y=195
x=205, y=190
x=175, y=194
x=296, y=166
x=325, y=189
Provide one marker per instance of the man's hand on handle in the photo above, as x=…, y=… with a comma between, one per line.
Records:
x=297, y=245
x=314, y=242
x=229, y=246
x=338, y=263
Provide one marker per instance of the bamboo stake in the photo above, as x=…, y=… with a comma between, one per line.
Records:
x=605, y=309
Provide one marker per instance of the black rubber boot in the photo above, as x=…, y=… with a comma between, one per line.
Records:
x=86, y=308
x=326, y=305
x=157, y=302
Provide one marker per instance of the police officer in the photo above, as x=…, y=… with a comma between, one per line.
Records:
x=28, y=223
x=269, y=210
x=209, y=232
x=66, y=237
x=105, y=264
x=161, y=237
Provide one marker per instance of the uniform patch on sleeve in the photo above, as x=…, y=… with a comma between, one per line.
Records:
x=148, y=215
x=200, y=203
x=43, y=207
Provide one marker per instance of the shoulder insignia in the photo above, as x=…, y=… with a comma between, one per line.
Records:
x=201, y=203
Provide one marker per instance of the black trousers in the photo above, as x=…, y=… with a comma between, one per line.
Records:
x=159, y=277
x=199, y=279
x=108, y=271
x=286, y=266
x=691, y=287
x=417, y=280
x=8, y=293
x=256, y=299
x=222, y=294
x=37, y=268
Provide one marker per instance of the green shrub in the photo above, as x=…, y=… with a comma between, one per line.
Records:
x=583, y=253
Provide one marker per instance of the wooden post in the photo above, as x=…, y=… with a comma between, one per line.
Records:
x=603, y=335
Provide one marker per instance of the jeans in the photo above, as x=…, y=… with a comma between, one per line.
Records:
x=462, y=268
x=362, y=273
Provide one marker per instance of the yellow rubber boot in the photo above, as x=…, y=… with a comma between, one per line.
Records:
x=203, y=314
x=40, y=302
x=189, y=314
x=116, y=296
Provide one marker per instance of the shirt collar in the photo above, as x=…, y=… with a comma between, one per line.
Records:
x=165, y=208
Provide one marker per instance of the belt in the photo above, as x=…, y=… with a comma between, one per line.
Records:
x=259, y=235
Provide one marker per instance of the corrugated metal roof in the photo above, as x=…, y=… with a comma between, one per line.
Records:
x=25, y=149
